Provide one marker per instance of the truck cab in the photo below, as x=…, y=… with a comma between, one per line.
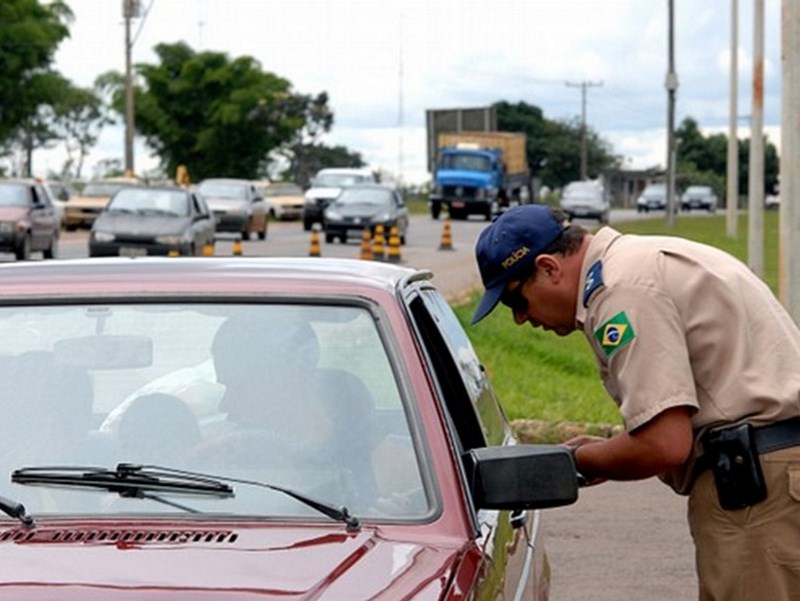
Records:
x=468, y=180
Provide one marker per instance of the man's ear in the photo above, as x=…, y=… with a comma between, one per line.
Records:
x=549, y=265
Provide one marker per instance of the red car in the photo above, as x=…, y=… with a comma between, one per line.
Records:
x=228, y=428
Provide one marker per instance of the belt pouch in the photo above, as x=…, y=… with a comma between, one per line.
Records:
x=734, y=461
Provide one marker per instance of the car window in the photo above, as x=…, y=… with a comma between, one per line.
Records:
x=303, y=397
x=282, y=190
x=102, y=189
x=14, y=195
x=223, y=190
x=145, y=200
x=470, y=400
x=371, y=196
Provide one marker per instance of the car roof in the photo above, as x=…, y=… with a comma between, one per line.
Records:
x=207, y=277
x=227, y=180
x=369, y=186
x=346, y=170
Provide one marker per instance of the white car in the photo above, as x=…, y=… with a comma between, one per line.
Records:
x=699, y=197
x=652, y=198
x=586, y=199
x=325, y=187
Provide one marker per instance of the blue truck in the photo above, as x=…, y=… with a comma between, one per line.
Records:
x=479, y=173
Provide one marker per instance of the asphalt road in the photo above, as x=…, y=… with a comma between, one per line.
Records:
x=620, y=540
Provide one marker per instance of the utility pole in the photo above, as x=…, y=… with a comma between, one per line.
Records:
x=732, y=203
x=789, y=255
x=671, y=85
x=584, y=145
x=130, y=9
x=755, y=180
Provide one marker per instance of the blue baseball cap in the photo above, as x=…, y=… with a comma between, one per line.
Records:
x=509, y=246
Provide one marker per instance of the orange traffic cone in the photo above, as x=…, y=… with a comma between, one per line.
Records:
x=208, y=250
x=366, y=245
x=237, y=247
x=393, y=253
x=446, y=243
x=314, y=249
x=378, y=243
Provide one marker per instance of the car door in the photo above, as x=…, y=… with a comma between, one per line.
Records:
x=401, y=209
x=259, y=209
x=514, y=563
x=44, y=222
x=203, y=222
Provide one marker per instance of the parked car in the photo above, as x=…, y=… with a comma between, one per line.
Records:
x=363, y=206
x=237, y=205
x=238, y=428
x=153, y=221
x=652, y=198
x=60, y=193
x=586, y=199
x=773, y=201
x=699, y=197
x=29, y=221
x=82, y=210
x=325, y=186
x=284, y=200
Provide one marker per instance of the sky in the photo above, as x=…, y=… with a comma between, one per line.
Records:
x=383, y=63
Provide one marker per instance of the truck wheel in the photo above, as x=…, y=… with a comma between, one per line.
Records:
x=436, y=209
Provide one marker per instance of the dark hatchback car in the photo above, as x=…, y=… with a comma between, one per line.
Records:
x=363, y=206
x=237, y=205
x=29, y=221
x=152, y=221
x=241, y=428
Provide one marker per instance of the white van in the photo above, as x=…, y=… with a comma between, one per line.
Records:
x=326, y=185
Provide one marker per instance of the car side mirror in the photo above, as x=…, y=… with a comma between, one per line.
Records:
x=521, y=476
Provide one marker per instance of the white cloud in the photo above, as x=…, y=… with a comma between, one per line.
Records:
x=454, y=53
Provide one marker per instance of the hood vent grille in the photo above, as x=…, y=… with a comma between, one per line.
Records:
x=118, y=536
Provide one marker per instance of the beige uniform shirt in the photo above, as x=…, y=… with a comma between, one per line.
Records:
x=676, y=323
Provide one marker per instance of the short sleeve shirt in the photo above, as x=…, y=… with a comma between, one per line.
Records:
x=675, y=323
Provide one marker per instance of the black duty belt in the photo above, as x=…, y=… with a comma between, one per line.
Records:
x=780, y=435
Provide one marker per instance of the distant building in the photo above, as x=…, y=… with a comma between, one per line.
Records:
x=625, y=185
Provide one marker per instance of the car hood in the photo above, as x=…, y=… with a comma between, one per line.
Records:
x=12, y=213
x=460, y=177
x=141, y=224
x=324, y=193
x=226, y=205
x=97, y=561
x=88, y=201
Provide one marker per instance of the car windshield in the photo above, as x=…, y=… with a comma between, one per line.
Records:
x=581, y=190
x=298, y=396
x=470, y=162
x=334, y=180
x=223, y=190
x=102, y=189
x=13, y=195
x=146, y=200
x=655, y=191
x=364, y=196
x=283, y=190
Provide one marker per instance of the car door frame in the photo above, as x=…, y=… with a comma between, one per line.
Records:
x=43, y=218
x=467, y=399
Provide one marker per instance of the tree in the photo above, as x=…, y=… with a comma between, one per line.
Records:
x=554, y=147
x=703, y=159
x=79, y=116
x=30, y=32
x=219, y=117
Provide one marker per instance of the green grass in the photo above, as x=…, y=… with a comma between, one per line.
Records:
x=540, y=376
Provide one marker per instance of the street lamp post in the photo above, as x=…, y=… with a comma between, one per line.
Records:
x=130, y=9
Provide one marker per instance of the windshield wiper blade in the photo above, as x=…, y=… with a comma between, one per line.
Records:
x=131, y=480
x=127, y=480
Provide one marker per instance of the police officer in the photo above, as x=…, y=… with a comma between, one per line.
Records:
x=704, y=366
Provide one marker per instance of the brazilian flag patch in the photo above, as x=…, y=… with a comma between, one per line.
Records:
x=614, y=334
